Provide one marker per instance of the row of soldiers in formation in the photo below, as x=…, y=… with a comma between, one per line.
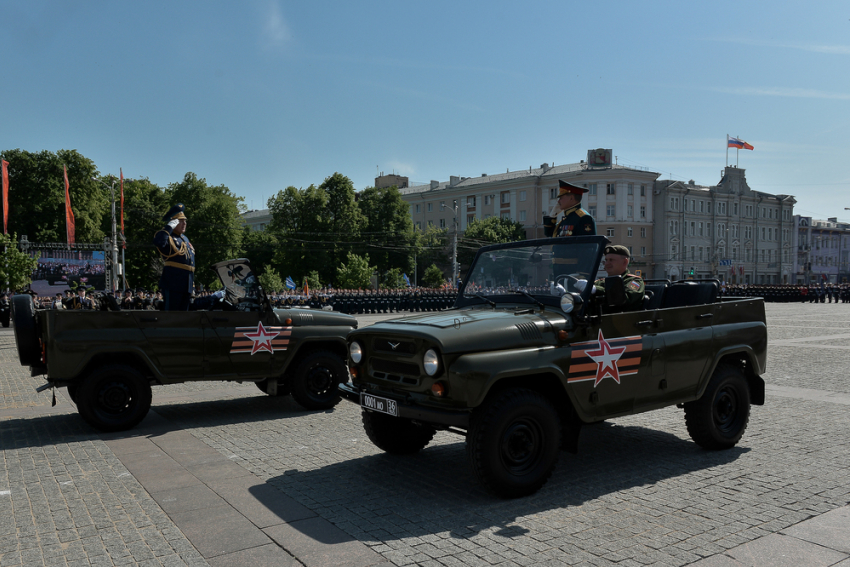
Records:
x=790, y=293
x=355, y=301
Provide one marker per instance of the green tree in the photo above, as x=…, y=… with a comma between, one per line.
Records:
x=314, y=281
x=393, y=279
x=271, y=281
x=493, y=230
x=388, y=229
x=214, y=225
x=297, y=224
x=16, y=267
x=433, y=277
x=37, y=195
x=260, y=247
x=355, y=273
x=145, y=204
x=432, y=247
x=342, y=218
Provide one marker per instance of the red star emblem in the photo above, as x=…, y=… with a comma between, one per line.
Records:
x=606, y=358
x=262, y=339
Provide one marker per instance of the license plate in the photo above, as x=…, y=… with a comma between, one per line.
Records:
x=375, y=403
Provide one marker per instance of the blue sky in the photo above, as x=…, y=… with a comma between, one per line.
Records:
x=259, y=95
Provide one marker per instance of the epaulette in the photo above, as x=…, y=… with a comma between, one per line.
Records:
x=580, y=212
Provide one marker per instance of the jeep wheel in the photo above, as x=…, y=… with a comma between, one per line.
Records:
x=513, y=442
x=72, y=392
x=718, y=419
x=396, y=435
x=314, y=384
x=26, y=333
x=282, y=387
x=114, y=398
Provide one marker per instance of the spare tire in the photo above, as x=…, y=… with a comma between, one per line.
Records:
x=26, y=333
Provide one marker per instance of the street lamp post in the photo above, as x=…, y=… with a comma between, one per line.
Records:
x=454, y=242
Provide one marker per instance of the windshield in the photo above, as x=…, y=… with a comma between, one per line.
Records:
x=543, y=267
x=239, y=280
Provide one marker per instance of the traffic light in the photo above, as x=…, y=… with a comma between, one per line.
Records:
x=692, y=271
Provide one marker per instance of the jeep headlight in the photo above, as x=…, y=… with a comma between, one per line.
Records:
x=431, y=362
x=567, y=303
x=356, y=352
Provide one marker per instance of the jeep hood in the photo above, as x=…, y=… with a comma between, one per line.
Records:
x=478, y=329
x=316, y=317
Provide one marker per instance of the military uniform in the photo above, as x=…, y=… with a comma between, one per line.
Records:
x=576, y=221
x=633, y=286
x=178, y=274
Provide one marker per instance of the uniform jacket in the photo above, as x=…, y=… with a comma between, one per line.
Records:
x=576, y=222
x=178, y=274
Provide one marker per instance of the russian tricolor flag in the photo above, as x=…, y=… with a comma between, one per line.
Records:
x=736, y=143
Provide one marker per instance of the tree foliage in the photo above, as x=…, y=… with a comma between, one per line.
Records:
x=37, y=195
x=16, y=267
x=388, y=229
x=433, y=277
x=271, y=281
x=355, y=273
x=494, y=230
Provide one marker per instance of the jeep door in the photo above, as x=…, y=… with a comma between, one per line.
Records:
x=247, y=342
x=610, y=368
x=177, y=341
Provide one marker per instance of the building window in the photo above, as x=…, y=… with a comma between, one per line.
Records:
x=702, y=206
x=470, y=201
x=553, y=194
x=591, y=190
x=611, y=210
x=592, y=211
x=721, y=208
x=522, y=195
x=442, y=223
x=470, y=219
x=643, y=190
x=693, y=228
x=611, y=189
x=699, y=229
x=418, y=225
x=643, y=211
x=609, y=232
x=506, y=216
x=643, y=250
x=430, y=224
x=487, y=198
x=735, y=209
x=522, y=216
x=630, y=211
x=630, y=189
x=629, y=249
x=673, y=251
x=700, y=253
x=418, y=208
x=643, y=232
x=506, y=197
x=629, y=232
x=430, y=207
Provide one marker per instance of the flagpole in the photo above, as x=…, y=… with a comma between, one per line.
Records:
x=727, y=150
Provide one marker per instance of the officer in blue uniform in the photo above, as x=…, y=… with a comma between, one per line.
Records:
x=178, y=273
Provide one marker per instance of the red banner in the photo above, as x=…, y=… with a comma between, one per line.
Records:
x=5, y=197
x=123, y=240
x=69, y=214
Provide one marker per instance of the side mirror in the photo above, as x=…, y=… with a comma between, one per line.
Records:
x=615, y=291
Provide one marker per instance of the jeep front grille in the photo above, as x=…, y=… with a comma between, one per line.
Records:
x=405, y=348
x=394, y=367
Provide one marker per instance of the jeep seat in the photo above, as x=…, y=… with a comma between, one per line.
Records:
x=682, y=294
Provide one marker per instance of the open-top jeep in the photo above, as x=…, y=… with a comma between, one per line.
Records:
x=526, y=357
x=109, y=359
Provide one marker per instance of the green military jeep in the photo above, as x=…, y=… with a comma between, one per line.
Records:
x=109, y=359
x=528, y=355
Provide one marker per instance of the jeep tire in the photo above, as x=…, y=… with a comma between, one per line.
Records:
x=114, y=398
x=26, y=334
x=315, y=382
x=396, y=435
x=513, y=442
x=719, y=418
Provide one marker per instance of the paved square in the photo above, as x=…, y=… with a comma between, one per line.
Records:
x=638, y=493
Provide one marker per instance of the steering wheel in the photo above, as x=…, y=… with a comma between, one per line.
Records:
x=568, y=281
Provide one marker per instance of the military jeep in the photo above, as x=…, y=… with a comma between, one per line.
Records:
x=530, y=353
x=109, y=359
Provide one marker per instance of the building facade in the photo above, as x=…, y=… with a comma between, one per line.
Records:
x=619, y=198
x=257, y=219
x=726, y=231
x=822, y=250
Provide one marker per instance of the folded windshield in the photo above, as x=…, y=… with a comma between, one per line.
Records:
x=548, y=269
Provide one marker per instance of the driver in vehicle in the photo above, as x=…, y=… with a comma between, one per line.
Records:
x=617, y=264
